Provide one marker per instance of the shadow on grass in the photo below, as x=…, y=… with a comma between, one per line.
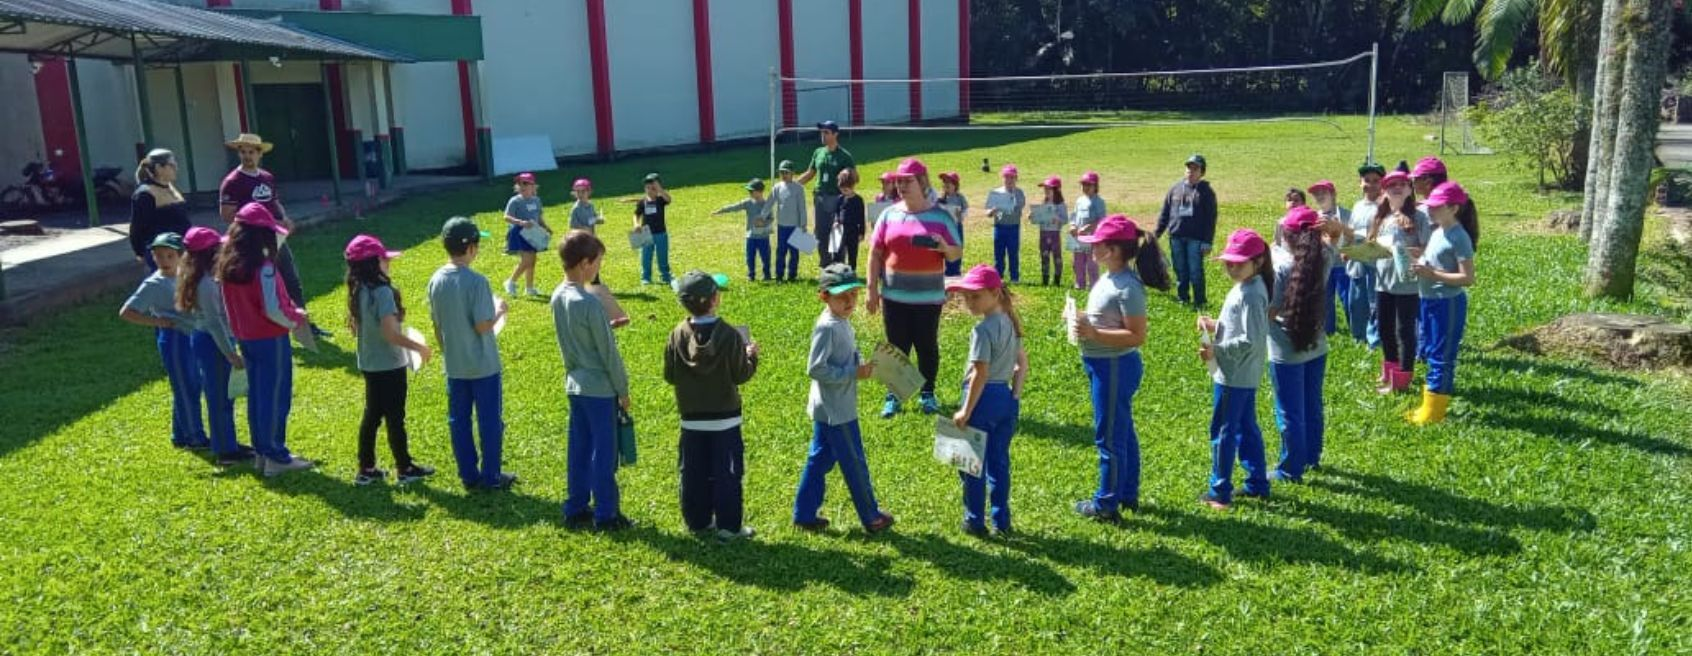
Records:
x=1555, y=413
x=1371, y=527
x=1447, y=507
x=972, y=562
x=781, y=566
x=1504, y=361
x=374, y=502
x=1078, y=435
x=1252, y=542
x=503, y=509
x=1159, y=565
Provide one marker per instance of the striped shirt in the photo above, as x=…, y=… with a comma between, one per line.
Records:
x=912, y=274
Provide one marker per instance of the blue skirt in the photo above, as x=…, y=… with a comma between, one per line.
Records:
x=515, y=243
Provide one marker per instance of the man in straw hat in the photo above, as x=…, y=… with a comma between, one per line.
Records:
x=250, y=184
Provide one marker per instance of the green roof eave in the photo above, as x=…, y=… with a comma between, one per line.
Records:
x=416, y=37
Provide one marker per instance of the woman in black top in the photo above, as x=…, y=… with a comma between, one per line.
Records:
x=156, y=207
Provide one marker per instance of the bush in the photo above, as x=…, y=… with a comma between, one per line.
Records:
x=1535, y=121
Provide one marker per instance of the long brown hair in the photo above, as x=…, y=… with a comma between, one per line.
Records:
x=1147, y=259
x=366, y=275
x=1406, y=217
x=1007, y=303
x=1301, y=307
x=244, y=252
x=1054, y=195
x=198, y=264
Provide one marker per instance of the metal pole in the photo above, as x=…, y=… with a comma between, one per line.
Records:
x=1444, y=86
x=187, y=135
x=772, y=121
x=247, y=97
x=334, y=152
x=82, y=145
x=1374, y=69
x=141, y=93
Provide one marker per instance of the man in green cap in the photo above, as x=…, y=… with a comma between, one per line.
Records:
x=787, y=205
x=827, y=161
x=464, y=312
x=707, y=360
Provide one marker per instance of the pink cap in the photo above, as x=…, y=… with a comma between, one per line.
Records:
x=1395, y=177
x=910, y=168
x=1243, y=245
x=950, y=176
x=1301, y=218
x=1116, y=227
x=1322, y=185
x=581, y=183
x=1447, y=193
x=978, y=277
x=1090, y=177
x=200, y=238
x=1427, y=166
x=364, y=247
x=1010, y=169
x=887, y=177
x=1053, y=182
x=525, y=178
x=256, y=215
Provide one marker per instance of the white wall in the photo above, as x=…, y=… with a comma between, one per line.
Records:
x=426, y=104
x=745, y=45
x=112, y=120
x=536, y=71
x=654, y=92
x=20, y=119
x=886, y=55
x=939, y=58
x=821, y=38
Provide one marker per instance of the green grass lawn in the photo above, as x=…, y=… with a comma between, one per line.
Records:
x=1548, y=515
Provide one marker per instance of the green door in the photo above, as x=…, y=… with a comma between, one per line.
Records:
x=291, y=116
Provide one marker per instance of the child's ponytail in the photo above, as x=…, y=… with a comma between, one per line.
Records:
x=1007, y=304
x=1148, y=262
x=1470, y=220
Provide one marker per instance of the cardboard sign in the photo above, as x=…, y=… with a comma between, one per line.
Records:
x=962, y=448
x=894, y=370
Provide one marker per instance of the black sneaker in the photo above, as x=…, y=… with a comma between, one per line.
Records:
x=972, y=529
x=879, y=524
x=318, y=331
x=368, y=476
x=1091, y=510
x=617, y=523
x=506, y=480
x=579, y=521
x=414, y=473
x=241, y=454
x=817, y=525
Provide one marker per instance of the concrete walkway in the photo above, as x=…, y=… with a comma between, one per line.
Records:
x=58, y=270
x=1674, y=145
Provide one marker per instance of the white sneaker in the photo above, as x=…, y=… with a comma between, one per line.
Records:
x=273, y=468
x=745, y=533
x=534, y=292
x=511, y=288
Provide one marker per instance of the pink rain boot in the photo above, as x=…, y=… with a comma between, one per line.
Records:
x=1389, y=373
x=1401, y=379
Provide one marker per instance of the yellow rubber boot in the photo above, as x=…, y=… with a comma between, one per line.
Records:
x=1432, y=410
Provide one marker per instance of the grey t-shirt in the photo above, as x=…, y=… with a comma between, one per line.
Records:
x=1446, y=248
x=993, y=340
x=787, y=202
x=1392, y=236
x=1014, y=216
x=1242, y=335
x=592, y=365
x=156, y=297
x=527, y=209
x=1362, y=214
x=755, y=214
x=833, y=368
x=375, y=352
x=1088, y=211
x=583, y=216
x=211, y=317
x=459, y=298
x=1280, y=343
x=1114, y=298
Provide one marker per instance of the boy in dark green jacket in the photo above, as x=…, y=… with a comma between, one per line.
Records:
x=707, y=360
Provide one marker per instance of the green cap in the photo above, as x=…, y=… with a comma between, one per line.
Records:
x=786, y=166
x=1197, y=160
x=755, y=185
x=461, y=230
x=1370, y=167
x=837, y=278
x=651, y=177
x=699, y=285
x=168, y=240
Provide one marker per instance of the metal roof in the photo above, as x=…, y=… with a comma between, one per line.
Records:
x=163, y=32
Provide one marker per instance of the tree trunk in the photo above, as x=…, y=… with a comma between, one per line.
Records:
x=1603, y=124
x=1615, y=244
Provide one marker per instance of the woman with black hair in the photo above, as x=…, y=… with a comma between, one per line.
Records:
x=1298, y=343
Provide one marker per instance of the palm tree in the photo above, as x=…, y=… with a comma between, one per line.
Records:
x=1567, y=43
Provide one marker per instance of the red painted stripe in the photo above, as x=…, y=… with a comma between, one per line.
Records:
x=913, y=17
x=789, y=94
x=58, y=117
x=466, y=101
x=600, y=60
x=963, y=57
x=241, y=98
x=855, y=46
x=702, y=70
x=329, y=5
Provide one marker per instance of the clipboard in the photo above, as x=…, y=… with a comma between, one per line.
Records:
x=1001, y=201
x=1366, y=251
x=640, y=237
x=896, y=372
x=1045, y=215
x=802, y=241
x=962, y=448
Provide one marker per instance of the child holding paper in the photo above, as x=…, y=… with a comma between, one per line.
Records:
x=1445, y=269
x=1005, y=204
x=835, y=367
x=1089, y=210
x=649, y=212
x=992, y=393
x=956, y=205
x=462, y=307
x=1239, y=348
x=787, y=204
x=522, y=213
x=154, y=305
x=1298, y=346
x=757, y=227
x=200, y=297
x=1400, y=227
x=376, y=314
x=853, y=225
x=1051, y=236
x=596, y=383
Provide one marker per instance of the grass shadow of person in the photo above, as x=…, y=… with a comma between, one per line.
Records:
x=1076, y=435
x=1501, y=360
x=776, y=565
x=1160, y=565
x=1253, y=542
x=1360, y=526
x=965, y=562
x=500, y=509
x=1564, y=429
x=1445, y=506
x=373, y=502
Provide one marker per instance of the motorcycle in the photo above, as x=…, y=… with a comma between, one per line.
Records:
x=110, y=186
x=40, y=190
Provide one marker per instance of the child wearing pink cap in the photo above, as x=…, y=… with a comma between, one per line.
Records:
x=1298, y=347
x=952, y=200
x=1401, y=227
x=522, y=212
x=1051, y=237
x=583, y=215
x=1445, y=268
x=1007, y=226
x=376, y=315
x=889, y=190
x=1110, y=335
x=200, y=296
x=1428, y=174
x=992, y=394
x=1240, y=345
x=1089, y=210
x=261, y=315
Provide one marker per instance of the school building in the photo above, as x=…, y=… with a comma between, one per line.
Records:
x=380, y=88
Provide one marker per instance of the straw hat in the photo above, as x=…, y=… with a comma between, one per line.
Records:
x=249, y=139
